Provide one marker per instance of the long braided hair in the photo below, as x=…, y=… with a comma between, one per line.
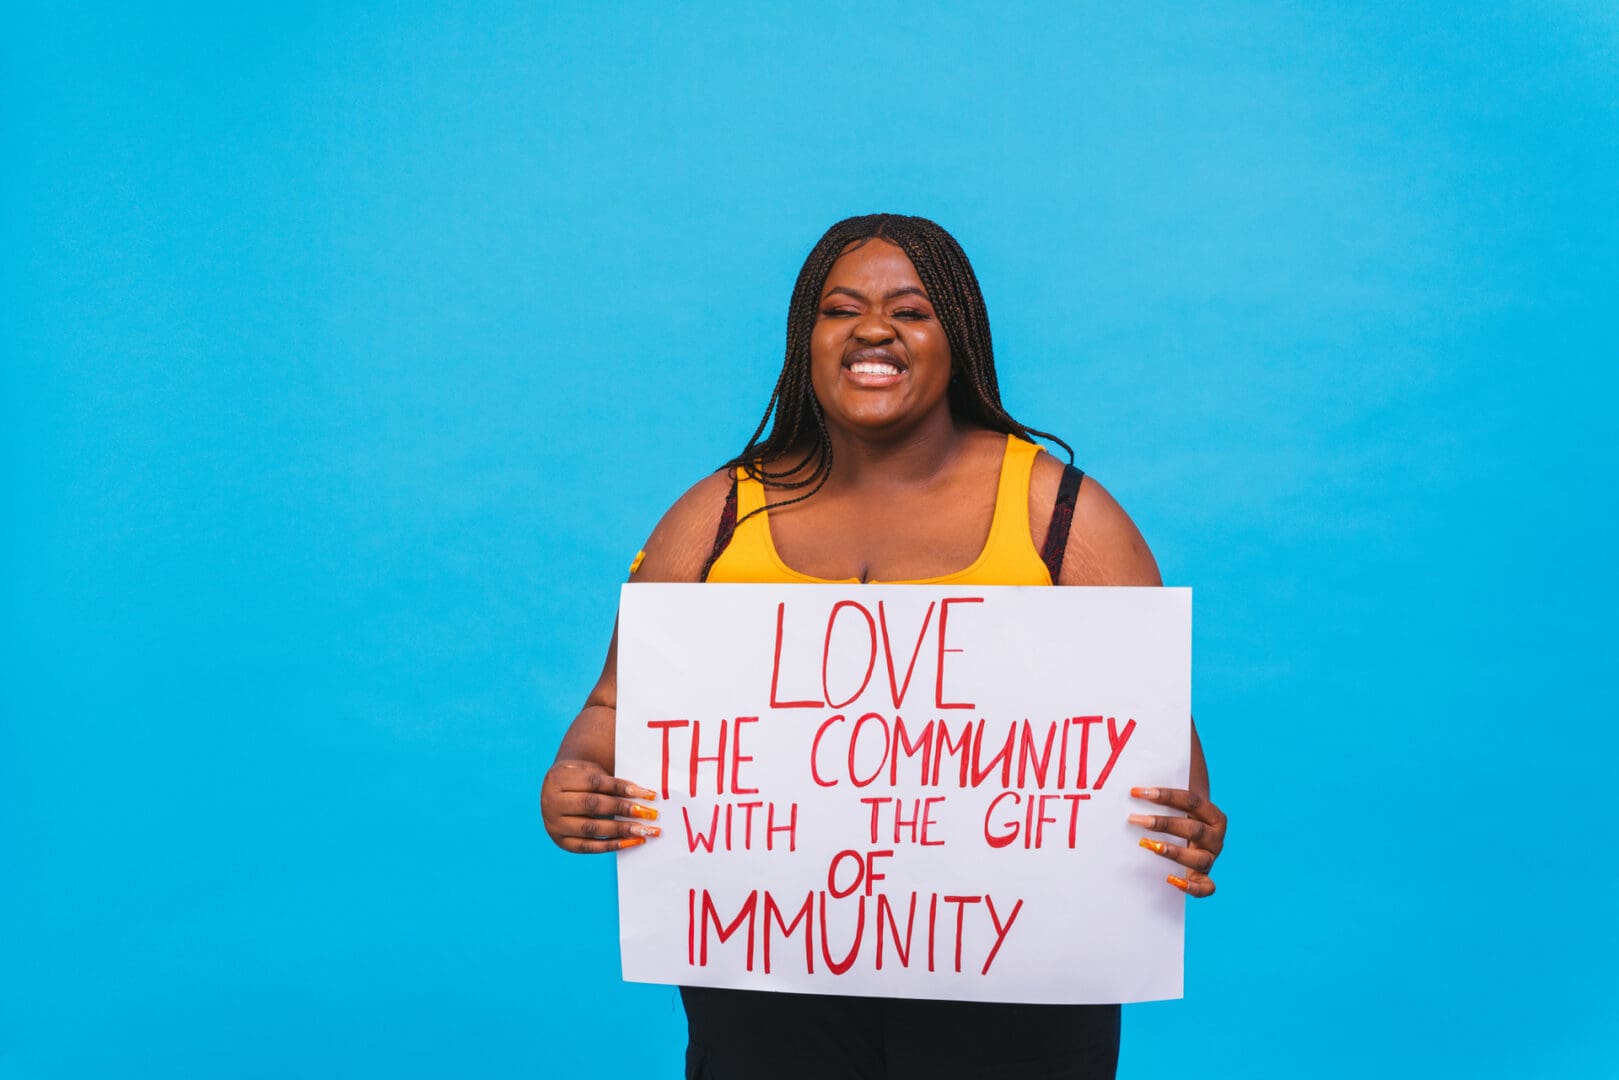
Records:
x=948, y=277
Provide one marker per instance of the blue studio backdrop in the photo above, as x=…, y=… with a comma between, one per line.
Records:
x=349, y=352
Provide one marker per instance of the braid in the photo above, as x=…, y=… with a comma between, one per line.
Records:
x=958, y=302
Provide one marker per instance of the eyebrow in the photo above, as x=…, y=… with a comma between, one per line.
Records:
x=907, y=290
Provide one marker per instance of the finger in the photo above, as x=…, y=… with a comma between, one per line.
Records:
x=613, y=785
x=597, y=847
x=588, y=776
x=1193, y=884
x=1185, y=828
x=1181, y=799
x=1193, y=858
x=593, y=829
x=590, y=804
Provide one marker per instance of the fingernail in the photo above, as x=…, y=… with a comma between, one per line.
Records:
x=1179, y=883
x=647, y=793
x=1139, y=819
x=646, y=830
x=646, y=812
x=1156, y=846
x=1144, y=792
x=630, y=841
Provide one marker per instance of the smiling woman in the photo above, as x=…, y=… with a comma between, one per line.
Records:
x=889, y=458
x=879, y=360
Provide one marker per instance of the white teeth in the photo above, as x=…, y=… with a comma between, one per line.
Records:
x=873, y=367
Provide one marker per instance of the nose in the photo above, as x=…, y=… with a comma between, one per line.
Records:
x=873, y=329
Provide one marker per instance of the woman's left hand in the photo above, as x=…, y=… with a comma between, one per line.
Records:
x=1203, y=833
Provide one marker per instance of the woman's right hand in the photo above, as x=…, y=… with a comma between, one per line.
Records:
x=587, y=811
x=586, y=808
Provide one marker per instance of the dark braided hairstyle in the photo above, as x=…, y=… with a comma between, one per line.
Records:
x=948, y=277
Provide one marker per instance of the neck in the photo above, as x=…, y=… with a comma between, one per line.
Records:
x=906, y=459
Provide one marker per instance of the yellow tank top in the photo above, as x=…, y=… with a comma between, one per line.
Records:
x=1009, y=556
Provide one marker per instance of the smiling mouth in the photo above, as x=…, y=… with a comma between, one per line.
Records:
x=878, y=364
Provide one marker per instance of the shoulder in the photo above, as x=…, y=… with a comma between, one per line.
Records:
x=1104, y=545
x=680, y=544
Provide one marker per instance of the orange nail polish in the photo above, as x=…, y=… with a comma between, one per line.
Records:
x=646, y=830
x=1143, y=793
x=630, y=841
x=1156, y=846
x=1180, y=883
x=645, y=812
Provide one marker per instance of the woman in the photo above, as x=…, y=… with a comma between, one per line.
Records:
x=890, y=459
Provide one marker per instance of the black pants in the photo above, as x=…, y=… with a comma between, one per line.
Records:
x=751, y=1035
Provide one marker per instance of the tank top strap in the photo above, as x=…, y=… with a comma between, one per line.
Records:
x=750, y=493
x=723, y=534
x=1009, y=535
x=748, y=553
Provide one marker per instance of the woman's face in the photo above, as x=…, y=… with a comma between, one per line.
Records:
x=879, y=360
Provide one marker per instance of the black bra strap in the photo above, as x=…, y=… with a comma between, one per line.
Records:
x=722, y=538
x=1062, y=519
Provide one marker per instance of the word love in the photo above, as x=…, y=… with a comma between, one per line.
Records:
x=858, y=620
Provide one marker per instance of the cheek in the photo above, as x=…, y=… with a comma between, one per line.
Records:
x=825, y=360
x=935, y=347
x=823, y=346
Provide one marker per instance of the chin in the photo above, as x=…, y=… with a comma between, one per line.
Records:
x=878, y=423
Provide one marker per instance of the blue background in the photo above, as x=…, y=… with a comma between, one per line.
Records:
x=350, y=352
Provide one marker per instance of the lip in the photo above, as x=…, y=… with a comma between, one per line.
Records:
x=871, y=380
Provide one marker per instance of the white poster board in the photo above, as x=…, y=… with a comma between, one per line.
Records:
x=903, y=791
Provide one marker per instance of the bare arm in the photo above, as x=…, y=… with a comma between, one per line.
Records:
x=1106, y=548
x=586, y=807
